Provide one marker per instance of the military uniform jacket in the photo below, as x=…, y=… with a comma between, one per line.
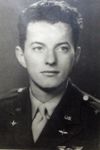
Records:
x=74, y=124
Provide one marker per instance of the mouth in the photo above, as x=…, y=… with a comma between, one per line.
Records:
x=50, y=73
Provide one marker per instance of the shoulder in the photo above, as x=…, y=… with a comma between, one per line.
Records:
x=9, y=100
x=11, y=93
x=89, y=113
x=12, y=106
x=86, y=99
x=86, y=108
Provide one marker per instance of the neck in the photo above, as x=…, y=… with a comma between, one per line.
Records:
x=44, y=94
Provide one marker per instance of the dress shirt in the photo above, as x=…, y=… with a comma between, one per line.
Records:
x=49, y=105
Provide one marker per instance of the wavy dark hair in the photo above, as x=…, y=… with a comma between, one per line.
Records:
x=52, y=12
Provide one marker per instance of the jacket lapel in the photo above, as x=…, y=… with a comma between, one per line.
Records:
x=63, y=120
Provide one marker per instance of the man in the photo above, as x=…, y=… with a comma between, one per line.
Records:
x=52, y=112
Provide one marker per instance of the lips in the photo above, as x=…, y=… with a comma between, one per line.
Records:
x=50, y=72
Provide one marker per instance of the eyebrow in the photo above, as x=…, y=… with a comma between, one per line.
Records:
x=37, y=43
x=61, y=43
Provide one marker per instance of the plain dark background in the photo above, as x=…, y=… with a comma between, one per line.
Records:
x=87, y=72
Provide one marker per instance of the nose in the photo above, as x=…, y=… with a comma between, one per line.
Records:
x=50, y=58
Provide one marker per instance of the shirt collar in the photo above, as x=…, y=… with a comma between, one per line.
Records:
x=50, y=105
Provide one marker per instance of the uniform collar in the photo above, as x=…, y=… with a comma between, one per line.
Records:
x=68, y=106
x=50, y=105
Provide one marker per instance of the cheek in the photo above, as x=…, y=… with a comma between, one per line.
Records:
x=66, y=63
x=33, y=58
x=33, y=65
x=30, y=59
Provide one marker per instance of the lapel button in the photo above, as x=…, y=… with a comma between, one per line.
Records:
x=20, y=90
x=85, y=97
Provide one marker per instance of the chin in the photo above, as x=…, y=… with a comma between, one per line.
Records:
x=51, y=87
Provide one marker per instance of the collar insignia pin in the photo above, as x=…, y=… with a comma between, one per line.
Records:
x=69, y=118
x=13, y=123
x=63, y=132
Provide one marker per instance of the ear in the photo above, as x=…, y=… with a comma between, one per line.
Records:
x=20, y=56
x=77, y=53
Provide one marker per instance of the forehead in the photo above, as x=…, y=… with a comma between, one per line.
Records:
x=43, y=29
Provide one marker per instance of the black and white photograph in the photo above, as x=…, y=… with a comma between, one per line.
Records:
x=50, y=74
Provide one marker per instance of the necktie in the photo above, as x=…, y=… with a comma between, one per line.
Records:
x=39, y=121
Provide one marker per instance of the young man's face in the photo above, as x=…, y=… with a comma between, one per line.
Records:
x=49, y=53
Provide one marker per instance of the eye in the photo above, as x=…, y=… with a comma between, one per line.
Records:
x=37, y=48
x=63, y=49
